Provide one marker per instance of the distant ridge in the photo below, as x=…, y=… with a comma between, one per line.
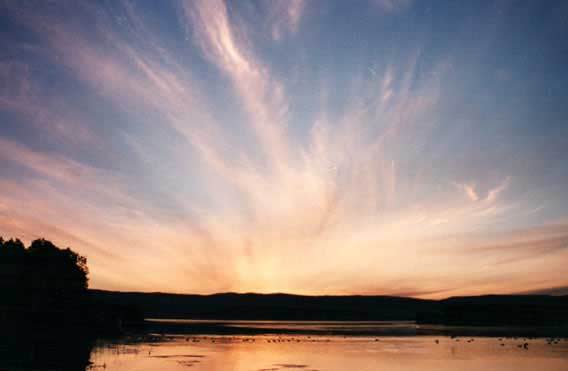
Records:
x=515, y=310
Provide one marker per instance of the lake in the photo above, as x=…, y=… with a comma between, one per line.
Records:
x=285, y=346
x=333, y=353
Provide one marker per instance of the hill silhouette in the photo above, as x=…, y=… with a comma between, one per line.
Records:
x=489, y=310
x=252, y=306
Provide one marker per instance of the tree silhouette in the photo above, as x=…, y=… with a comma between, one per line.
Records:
x=62, y=269
x=45, y=287
x=11, y=248
x=42, y=277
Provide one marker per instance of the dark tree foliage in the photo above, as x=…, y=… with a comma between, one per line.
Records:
x=42, y=276
x=45, y=287
x=11, y=248
x=62, y=267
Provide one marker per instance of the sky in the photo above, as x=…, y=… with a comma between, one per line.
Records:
x=390, y=147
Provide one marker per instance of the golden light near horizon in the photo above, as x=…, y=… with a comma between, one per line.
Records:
x=206, y=146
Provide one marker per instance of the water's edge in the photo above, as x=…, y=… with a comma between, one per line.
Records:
x=342, y=328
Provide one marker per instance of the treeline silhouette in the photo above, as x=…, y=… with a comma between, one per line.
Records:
x=499, y=310
x=43, y=286
x=490, y=310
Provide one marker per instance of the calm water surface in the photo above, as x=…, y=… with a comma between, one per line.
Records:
x=285, y=346
x=332, y=353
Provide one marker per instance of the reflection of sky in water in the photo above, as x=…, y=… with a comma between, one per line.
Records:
x=333, y=354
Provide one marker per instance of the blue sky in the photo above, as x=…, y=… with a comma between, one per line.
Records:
x=383, y=146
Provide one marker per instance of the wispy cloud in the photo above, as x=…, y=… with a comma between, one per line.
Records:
x=217, y=177
x=262, y=96
x=469, y=191
x=492, y=194
x=36, y=108
x=286, y=17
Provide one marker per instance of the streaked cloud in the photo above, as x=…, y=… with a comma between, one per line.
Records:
x=469, y=191
x=185, y=153
x=492, y=194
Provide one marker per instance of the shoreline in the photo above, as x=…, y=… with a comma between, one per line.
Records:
x=344, y=328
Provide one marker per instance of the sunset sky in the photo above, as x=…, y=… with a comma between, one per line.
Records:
x=390, y=147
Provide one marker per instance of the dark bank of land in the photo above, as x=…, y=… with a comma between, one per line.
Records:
x=498, y=315
x=231, y=306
